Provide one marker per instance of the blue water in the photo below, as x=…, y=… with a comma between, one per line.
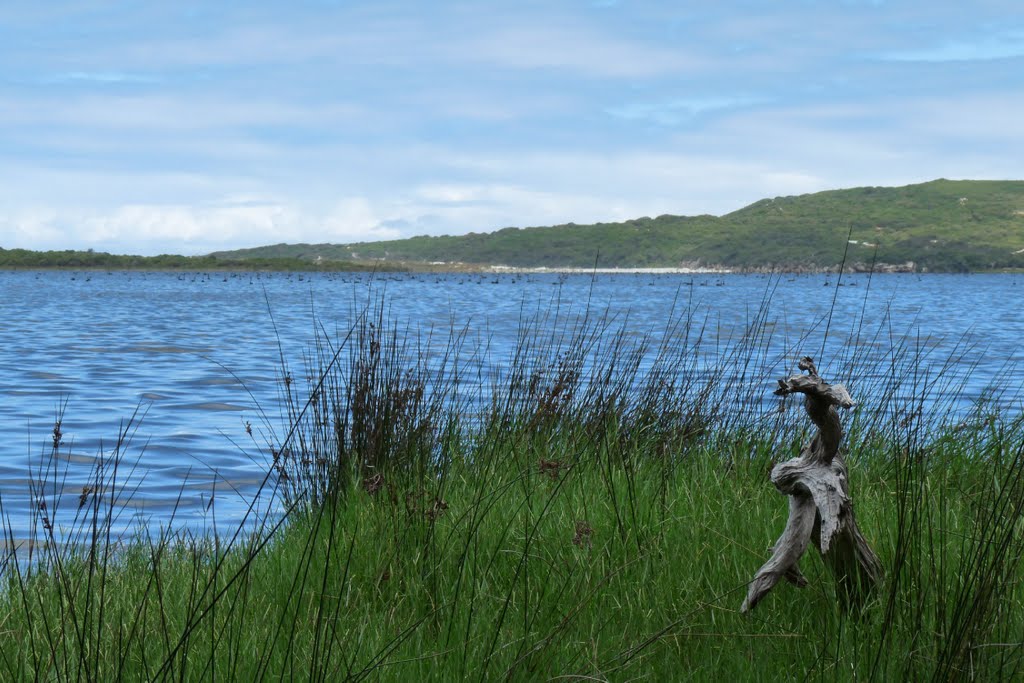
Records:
x=197, y=357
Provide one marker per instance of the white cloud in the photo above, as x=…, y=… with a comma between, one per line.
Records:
x=109, y=77
x=354, y=219
x=990, y=47
x=577, y=49
x=587, y=187
x=680, y=110
x=179, y=112
x=187, y=224
x=156, y=127
x=30, y=226
x=192, y=229
x=353, y=37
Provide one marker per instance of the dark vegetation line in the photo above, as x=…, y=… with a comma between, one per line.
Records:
x=94, y=260
x=593, y=513
x=938, y=226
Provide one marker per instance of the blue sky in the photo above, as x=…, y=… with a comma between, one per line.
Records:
x=185, y=127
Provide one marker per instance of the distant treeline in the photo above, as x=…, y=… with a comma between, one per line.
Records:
x=25, y=258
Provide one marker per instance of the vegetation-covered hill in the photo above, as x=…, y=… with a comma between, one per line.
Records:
x=943, y=225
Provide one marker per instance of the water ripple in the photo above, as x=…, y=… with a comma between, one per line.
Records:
x=195, y=357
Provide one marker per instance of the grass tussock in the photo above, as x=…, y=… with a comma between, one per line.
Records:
x=594, y=512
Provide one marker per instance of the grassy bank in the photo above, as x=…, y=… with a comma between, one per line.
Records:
x=594, y=514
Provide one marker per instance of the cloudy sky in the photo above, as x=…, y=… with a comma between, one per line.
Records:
x=188, y=126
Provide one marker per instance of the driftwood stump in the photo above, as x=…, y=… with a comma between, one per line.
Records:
x=820, y=509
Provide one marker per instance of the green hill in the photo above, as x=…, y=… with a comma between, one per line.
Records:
x=942, y=225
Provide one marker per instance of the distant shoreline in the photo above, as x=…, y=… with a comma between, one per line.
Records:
x=465, y=268
x=610, y=271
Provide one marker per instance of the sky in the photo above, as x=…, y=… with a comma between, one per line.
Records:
x=191, y=126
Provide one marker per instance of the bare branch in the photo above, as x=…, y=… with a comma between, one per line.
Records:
x=819, y=499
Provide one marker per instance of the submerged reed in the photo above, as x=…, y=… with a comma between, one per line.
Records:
x=590, y=507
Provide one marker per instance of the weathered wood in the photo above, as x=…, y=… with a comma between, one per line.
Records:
x=820, y=508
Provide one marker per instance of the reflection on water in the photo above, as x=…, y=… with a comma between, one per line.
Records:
x=198, y=356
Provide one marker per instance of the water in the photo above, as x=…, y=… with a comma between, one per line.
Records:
x=197, y=356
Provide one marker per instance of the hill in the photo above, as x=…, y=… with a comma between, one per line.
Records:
x=942, y=225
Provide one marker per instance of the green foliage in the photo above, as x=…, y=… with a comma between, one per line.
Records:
x=68, y=259
x=940, y=226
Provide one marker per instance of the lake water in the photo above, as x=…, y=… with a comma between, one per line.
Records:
x=198, y=356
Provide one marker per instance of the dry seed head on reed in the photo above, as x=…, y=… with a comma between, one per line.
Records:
x=551, y=468
x=584, y=534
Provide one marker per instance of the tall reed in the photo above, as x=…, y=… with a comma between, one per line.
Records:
x=589, y=506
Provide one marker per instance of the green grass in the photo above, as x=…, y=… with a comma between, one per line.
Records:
x=588, y=522
x=598, y=570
